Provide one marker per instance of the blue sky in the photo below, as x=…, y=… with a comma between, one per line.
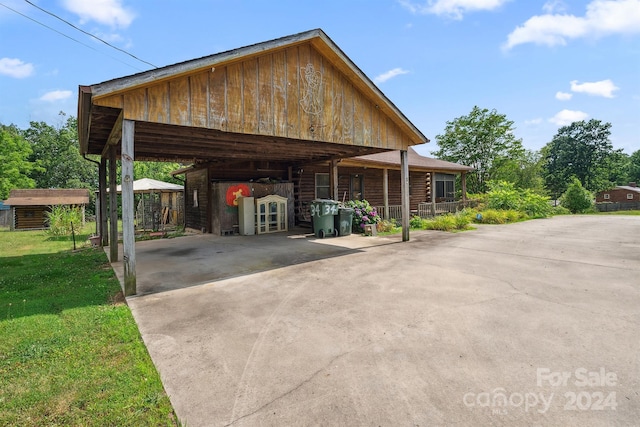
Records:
x=543, y=63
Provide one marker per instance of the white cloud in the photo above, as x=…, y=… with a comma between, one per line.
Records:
x=14, y=67
x=603, y=88
x=553, y=6
x=56, y=95
x=602, y=18
x=107, y=12
x=563, y=96
x=566, y=117
x=535, y=121
x=454, y=9
x=389, y=75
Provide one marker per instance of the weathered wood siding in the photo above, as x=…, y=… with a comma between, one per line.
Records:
x=197, y=217
x=225, y=217
x=293, y=93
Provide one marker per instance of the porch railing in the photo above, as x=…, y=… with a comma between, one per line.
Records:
x=427, y=210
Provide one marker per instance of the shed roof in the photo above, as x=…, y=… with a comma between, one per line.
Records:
x=294, y=99
x=147, y=185
x=48, y=197
x=416, y=162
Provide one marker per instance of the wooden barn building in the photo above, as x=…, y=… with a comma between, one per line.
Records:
x=29, y=207
x=265, y=111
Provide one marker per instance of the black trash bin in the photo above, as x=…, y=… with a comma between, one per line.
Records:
x=344, y=221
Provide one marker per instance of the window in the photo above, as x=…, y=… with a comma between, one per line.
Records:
x=445, y=187
x=629, y=196
x=323, y=186
x=607, y=196
x=356, y=187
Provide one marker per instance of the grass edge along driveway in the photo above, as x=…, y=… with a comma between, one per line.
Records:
x=71, y=352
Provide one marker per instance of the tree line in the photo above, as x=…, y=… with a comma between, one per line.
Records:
x=47, y=156
x=485, y=140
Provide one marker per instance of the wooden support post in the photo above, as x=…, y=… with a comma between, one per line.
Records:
x=433, y=194
x=385, y=192
x=333, y=178
x=113, y=206
x=404, y=179
x=463, y=179
x=128, y=231
x=101, y=210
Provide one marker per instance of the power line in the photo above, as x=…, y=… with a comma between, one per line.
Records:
x=69, y=37
x=89, y=34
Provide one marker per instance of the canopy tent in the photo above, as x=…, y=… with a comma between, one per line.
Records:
x=159, y=204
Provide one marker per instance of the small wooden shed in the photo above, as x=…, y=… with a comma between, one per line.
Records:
x=29, y=207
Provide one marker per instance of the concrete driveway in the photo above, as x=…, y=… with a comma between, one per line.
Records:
x=535, y=323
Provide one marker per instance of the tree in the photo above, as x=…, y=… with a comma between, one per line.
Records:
x=15, y=166
x=634, y=167
x=525, y=172
x=484, y=140
x=577, y=198
x=56, y=151
x=582, y=150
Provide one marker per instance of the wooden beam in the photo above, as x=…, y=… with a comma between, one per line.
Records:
x=128, y=232
x=404, y=178
x=333, y=178
x=463, y=179
x=433, y=194
x=115, y=135
x=113, y=207
x=103, y=226
x=385, y=192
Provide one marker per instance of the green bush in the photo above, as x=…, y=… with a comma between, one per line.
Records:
x=385, y=226
x=503, y=195
x=363, y=214
x=577, y=198
x=449, y=222
x=416, y=223
x=559, y=210
x=60, y=218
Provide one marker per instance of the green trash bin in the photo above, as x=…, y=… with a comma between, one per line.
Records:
x=343, y=221
x=322, y=216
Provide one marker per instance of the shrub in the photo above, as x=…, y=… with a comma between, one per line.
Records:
x=559, y=210
x=503, y=195
x=416, y=223
x=577, y=198
x=60, y=219
x=363, y=214
x=385, y=226
x=449, y=222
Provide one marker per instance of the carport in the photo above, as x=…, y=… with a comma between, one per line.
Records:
x=291, y=101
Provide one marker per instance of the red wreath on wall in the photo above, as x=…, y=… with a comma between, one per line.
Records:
x=235, y=191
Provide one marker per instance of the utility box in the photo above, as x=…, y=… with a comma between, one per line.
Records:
x=246, y=216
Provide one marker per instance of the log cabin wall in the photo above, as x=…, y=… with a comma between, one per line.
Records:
x=196, y=200
x=30, y=217
x=373, y=187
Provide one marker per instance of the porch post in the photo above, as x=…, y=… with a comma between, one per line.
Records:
x=102, y=203
x=433, y=194
x=113, y=206
x=334, y=180
x=463, y=179
x=385, y=192
x=404, y=172
x=128, y=232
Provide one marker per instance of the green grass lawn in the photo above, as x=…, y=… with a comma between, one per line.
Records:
x=70, y=351
x=619, y=213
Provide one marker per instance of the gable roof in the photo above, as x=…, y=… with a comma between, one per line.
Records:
x=628, y=188
x=416, y=162
x=48, y=197
x=200, y=103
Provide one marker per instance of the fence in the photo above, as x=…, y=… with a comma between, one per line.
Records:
x=617, y=206
x=427, y=210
